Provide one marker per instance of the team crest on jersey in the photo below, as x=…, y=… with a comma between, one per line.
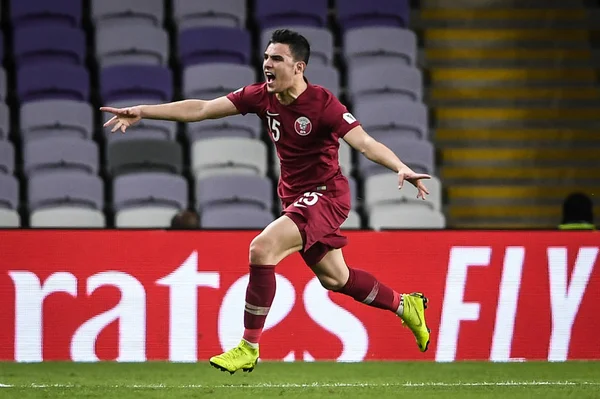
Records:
x=303, y=126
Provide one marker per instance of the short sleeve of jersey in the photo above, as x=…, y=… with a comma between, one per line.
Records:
x=248, y=99
x=338, y=118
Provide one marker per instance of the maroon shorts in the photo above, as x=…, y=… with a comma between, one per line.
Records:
x=319, y=216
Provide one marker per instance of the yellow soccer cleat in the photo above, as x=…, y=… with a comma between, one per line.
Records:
x=242, y=357
x=413, y=317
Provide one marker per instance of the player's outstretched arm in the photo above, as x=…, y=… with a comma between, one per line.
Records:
x=179, y=111
x=379, y=153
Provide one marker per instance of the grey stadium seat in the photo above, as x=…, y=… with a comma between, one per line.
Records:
x=67, y=217
x=7, y=157
x=145, y=216
x=57, y=118
x=320, y=40
x=390, y=79
x=235, y=217
x=9, y=218
x=68, y=187
x=229, y=155
x=51, y=153
x=3, y=87
x=128, y=12
x=4, y=121
x=227, y=189
x=405, y=217
x=146, y=128
x=194, y=13
x=352, y=222
x=152, y=188
x=248, y=126
x=326, y=76
x=137, y=44
x=144, y=155
x=398, y=117
x=371, y=45
x=417, y=154
x=382, y=189
x=208, y=81
x=9, y=192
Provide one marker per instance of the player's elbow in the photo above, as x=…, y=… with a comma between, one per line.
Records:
x=369, y=147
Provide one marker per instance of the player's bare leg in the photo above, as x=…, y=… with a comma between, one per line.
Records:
x=278, y=240
x=335, y=275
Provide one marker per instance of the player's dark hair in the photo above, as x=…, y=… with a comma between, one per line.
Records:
x=299, y=46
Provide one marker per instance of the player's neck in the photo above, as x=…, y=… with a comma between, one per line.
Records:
x=290, y=95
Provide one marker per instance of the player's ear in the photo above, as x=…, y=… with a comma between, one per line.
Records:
x=300, y=67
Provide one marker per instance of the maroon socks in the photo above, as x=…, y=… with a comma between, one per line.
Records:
x=259, y=297
x=365, y=288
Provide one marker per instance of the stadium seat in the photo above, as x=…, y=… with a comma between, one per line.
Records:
x=123, y=82
x=392, y=79
x=144, y=129
x=357, y=14
x=405, y=216
x=4, y=121
x=7, y=157
x=67, y=217
x=270, y=13
x=352, y=222
x=150, y=188
x=393, y=117
x=144, y=155
x=44, y=12
x=229, y=155
x=9, y=218
x=235, y=217
x=417, y=154
x=326, y=76
x=214, y=44
x=372, y=45
x=193, y=13
x=3, y=83
x=9, y=191
x=382, y=189
x=248, y=126
x=52, y=81
x=145, y=217
x=47, y=154
x=127, y=12
x=65, y=187
x=131, y=45
x=58, y=118
x=208, y=81
x=320, y=39
x=219, y=190
x=40, y=44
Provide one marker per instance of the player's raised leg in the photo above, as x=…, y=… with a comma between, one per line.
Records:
x=335, y=275
x=278, y=240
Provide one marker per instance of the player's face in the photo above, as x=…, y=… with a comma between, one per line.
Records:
x=279, y=67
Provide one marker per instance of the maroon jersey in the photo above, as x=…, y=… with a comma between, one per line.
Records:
x=305, y=133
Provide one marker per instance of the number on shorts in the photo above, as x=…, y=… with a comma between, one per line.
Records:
x=308, y=199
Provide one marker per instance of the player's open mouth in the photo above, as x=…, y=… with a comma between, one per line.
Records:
x=270, y=76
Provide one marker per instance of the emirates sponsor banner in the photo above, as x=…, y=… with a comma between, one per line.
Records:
x=179, y=296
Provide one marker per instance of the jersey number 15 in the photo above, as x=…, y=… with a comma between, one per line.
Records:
x=274, y=128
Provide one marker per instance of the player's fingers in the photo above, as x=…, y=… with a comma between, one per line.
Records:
x=423, y=188
x=418, y=176
x=117, y=126
x=123, y=128
x=110, y=121
x=400, y=180
x=109, y=109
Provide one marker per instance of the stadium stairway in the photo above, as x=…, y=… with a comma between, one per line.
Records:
x=514, y=89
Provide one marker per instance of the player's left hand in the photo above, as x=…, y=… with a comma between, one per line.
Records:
x=407, y=174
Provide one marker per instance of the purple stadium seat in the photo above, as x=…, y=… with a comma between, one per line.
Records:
x=219, y=190
x=122, y=82
x=417, y=154
x=9, y=191
x=36, y=44
x=65, y=187
x=150, y=188
x=66, y=153
x=53, y=81
x=398, y=117
x=361, y=13
x=7, y=157
x=214, y=44
x=270, y=13
x=235, y=216
x=232, y=126
x=45, y=12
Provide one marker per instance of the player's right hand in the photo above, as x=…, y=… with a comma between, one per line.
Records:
x=124, y=117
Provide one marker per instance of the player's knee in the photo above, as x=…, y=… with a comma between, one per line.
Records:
x=331, y=283
x=261, y=250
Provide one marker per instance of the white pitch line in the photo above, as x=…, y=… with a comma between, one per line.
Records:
x=319, y=385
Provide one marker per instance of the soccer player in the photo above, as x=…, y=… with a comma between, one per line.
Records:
x=304, y=122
